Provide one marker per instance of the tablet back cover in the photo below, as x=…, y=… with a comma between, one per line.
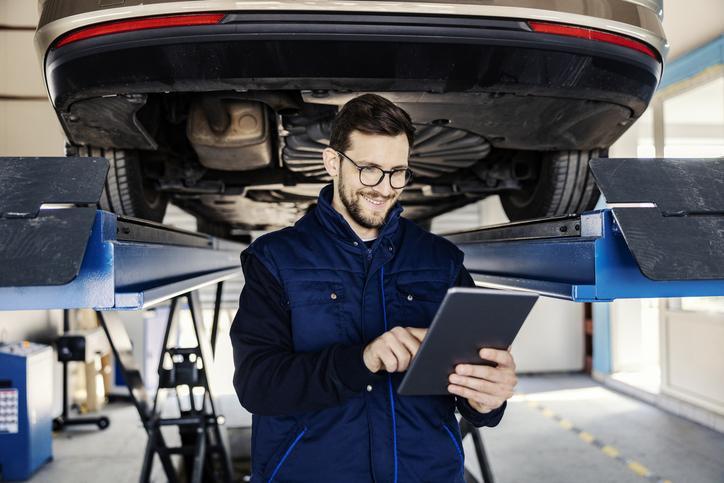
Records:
x=468, y=319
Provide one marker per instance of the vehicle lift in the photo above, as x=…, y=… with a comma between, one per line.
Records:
x=59, y=252
x=662, y=237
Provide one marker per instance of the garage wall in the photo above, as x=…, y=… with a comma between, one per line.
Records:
x=551, y=340
x=28, y=127
x=689, y=25
x=693, y=365
x=685, y=369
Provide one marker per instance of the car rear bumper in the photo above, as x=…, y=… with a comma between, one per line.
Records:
x=640, y=19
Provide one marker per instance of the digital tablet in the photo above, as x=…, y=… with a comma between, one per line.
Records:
x=468, y=320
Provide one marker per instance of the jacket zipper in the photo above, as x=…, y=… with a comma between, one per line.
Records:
x=286, y=454
x=389, y=376
x=457, y=448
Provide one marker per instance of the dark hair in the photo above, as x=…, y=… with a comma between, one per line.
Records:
x=369, y=114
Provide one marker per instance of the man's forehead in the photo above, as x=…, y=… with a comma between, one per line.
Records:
x=378, y=149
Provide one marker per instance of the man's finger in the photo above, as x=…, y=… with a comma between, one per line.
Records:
x=409, y=341
x=403, y=358
x=417, y=332
x=482, y=386
x=493, y=374
x=489, y=402
x=502, y=357
x=389, y=361
x=399, y=350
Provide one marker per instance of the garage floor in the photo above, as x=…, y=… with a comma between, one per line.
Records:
x=570, y=428
x=560, y=428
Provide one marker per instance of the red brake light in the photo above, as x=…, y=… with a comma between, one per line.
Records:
x=585, y=33
x=140, y=24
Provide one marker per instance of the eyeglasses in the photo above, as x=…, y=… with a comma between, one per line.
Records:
x=372, y=175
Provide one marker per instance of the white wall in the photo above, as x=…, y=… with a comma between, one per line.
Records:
x=552, y=337
x=686, y=344
x=634, y=334
x=693, y=362
x=691, y=24
x=28, y=127
x=35, y=325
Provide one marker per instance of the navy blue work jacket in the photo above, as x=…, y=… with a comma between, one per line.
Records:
x=314, y=296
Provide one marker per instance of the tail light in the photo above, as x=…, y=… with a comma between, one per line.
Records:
x=140, y=24
x=590, y=34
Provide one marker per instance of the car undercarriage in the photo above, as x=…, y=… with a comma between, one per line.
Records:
x=228, y=121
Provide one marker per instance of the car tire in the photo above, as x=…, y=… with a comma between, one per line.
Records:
x=126, y=191
x=563, y=186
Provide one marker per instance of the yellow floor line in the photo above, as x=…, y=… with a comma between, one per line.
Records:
x=638, y=468
x=587, y=437
x=610, y=451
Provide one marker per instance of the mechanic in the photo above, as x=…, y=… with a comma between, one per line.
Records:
x=331, y=313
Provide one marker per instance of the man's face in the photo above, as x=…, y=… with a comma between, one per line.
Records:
x=369, y=205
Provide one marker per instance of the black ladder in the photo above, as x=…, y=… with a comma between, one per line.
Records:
x=202, y=448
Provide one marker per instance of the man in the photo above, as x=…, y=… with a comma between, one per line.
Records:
x=333, y=310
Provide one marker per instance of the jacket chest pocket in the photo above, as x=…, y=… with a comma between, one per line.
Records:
x=417, y=301
x=316, y=314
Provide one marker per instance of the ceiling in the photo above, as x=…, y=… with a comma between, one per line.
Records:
x=691, y=24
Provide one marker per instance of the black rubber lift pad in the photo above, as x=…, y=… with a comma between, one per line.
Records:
x=46, y=247
x=682, y=236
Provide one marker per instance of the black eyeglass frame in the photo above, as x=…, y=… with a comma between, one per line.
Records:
x=389, y=172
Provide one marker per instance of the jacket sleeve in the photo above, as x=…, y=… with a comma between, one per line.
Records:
x=269, y=377
x=475, y=418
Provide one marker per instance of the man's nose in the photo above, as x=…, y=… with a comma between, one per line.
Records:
x=385, y=188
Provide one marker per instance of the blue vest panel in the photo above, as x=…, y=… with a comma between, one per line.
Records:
x=339, y=291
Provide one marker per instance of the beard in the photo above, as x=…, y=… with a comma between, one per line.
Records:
x=356, y=205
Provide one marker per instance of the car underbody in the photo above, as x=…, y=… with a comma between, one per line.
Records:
x=229, y=121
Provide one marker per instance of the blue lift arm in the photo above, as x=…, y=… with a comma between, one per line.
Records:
x=126, y=274
x=595, y=265
x=663, y=238
x=59, y=252
x=669, y=244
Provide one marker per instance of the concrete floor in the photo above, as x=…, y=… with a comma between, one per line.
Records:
x=83, y=454
x=570, y=428
x=559, y=428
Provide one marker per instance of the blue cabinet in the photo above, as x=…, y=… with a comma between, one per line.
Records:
x=26, y=399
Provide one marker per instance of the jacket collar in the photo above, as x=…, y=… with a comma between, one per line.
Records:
x=337, y=226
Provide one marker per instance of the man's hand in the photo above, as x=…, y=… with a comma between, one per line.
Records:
x=393, y=350
x=486, y=388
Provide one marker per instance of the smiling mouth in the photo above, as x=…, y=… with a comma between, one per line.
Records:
x=373, y=202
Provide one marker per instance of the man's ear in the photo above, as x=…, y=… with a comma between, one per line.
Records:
x=331, y=162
